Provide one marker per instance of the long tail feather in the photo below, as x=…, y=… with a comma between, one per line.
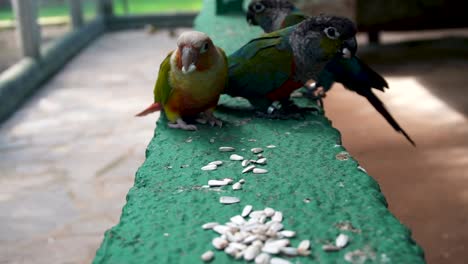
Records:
x=380, y=107
x=151, y=109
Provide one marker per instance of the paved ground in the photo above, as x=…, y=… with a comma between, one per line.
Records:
x=69, y=155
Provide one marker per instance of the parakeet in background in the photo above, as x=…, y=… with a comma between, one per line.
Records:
x=271, y=67
x=190, y=81
x=272, y=15
x=348, y=69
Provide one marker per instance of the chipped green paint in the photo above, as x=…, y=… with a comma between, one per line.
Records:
x=311, y=180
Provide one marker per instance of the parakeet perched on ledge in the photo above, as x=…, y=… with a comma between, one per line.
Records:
x=271, y=67
x=348, y=70
x=190, y=81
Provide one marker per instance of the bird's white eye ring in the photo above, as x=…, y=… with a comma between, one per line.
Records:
x=258, y=7
x=204, y=48
x=331, y=32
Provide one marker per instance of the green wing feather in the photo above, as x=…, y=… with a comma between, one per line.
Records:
x=260, y=66
x=162, y=88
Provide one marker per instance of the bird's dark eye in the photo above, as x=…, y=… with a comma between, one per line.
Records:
x=204, y=48
x=258, y=7
x=331, y=33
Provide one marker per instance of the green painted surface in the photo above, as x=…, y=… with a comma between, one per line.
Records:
x=314, y=188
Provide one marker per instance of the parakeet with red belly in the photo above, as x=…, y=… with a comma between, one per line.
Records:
x=190, y=81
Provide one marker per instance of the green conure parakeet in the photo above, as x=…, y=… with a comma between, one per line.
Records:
x=271, y=67
x=190, y=81
x=348, y=70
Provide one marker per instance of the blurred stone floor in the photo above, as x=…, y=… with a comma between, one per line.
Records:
x=69, y=155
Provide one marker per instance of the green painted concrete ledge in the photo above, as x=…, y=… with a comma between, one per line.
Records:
x=311, y=180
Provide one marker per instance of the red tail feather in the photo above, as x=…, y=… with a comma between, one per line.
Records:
x=151, y=109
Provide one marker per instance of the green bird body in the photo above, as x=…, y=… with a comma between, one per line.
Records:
x=348, y=69
x=270, y=67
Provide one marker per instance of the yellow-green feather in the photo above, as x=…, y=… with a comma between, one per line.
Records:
x=162, y=88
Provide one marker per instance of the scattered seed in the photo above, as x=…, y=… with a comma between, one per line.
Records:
x=251, y=140
x=216, y=162
x=304, y=245
x=342, y=156
x=246, y=211
x=217, y=183
x=263, y=258
x=275, y=226
x=330, y=247
x=278, y=217
x=256, y=150
x=209, y=167
x=210, y=225
x=290, y=251
x=221, y=229
x=287, y=233
x=248, y=168
x=228, y=200
x=212, y=140
x=259, y=171
x=251, y=252
x=342, y=241
x=307, y=200
x=271, y=146
x=236, y=157
x=269, y=212
x=237, y=186
x=260, y=155
x=230, y=250
x=241, y=181
x=249, y=239
x=303, y=253
x=245, y=163
x=271, y=248
x=207, y=256
x=238, y=246
x=261, y=161
x=220, y=243
x=239, y=220
x=279, y=261
x=362, y=169
x=257, y=214
x=228, y=180
x=226, y=149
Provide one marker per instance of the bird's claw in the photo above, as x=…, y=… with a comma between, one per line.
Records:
x=180, y=124
x=209, y=118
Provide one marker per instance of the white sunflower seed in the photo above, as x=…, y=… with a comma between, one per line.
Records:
x=239, y=220
x=246, y=211
x=239, y=254
x=251, y=252
x=245, y=163
x=220, y=243
x=260, y=156
x=271, y=146
x=228, y=180
x=237, y=186
x=249, y=239
x=287, y=233
x=261, y=161
x=215, y=183
x=303, y=253
x=228, y=200
x=256, y=150
x=271, y=248
x=226, y=149
x=221, y=229
x=258, y=243
x=209, y=167
x=276, y=226
x=304, y=245
x=241, y=181
x=207, y=256
x=259, y=171
x=342, y=241
x=216, y=162
x=279, y=261
x=257, y=214
x=269, y=212
x=248, y=168
x=262, y=258
x=230, y=250
x=277, y=217
x=362, y=169
x=238, y=246
x=290, y=251
x=236, y=157
x=210, y=225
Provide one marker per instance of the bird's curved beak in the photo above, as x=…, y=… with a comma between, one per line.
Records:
x=189, y=59
x=349, y=48
x=251, y=18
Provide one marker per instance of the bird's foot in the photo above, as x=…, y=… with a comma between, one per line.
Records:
x=276, y=110
x=208, y=117
x=180, y=124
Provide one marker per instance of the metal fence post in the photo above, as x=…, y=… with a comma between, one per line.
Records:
x=27, y=28
x=105, y=8
x=76, y=13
